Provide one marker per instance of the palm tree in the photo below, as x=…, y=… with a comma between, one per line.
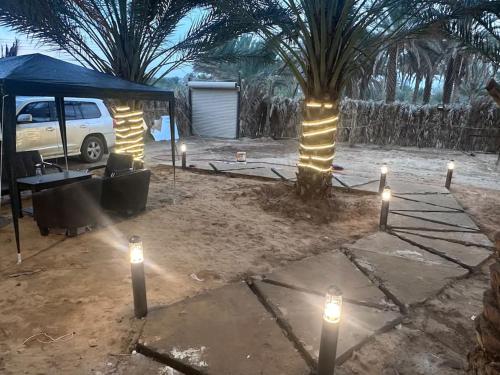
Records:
x=325, y=43
x=475, y=26
x=131, y=39
x=10, y=51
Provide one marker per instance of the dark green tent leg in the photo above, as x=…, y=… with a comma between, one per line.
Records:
x=171, y=114
x=9, y=138
x=61, y=118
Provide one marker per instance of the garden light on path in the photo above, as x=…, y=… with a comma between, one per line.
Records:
x=138, y=278
x=384, y=212
x=330, y=331
x=449, y=176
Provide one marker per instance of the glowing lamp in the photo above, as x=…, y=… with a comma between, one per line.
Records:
x=330, y=332
x=184, y=155
x=386, y=194
x=384, y=169
x=333, y=307
x=449, y=175
x=138, y=277
x=135, y=250
x=383, y=178
x=384, y=212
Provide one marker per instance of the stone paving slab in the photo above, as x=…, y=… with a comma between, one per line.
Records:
x=137, y=364
x=352, y=180
x=470, y=238
x=223, y=331
x=403, y=205
x=404, y=221
x=401, y=187
x=456, y=218
x=409, y=273
x=371, y=187
x=317, y=273
x=404, y=188
x=471, y=256
x=303, y=313
x=442, y=200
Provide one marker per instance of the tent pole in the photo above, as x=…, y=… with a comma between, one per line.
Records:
x=9, y=138
x=61, y=118
x=171, y=114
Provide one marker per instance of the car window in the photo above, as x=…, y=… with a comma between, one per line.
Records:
x=89, y=110
x=38, y=110
x=72, y=111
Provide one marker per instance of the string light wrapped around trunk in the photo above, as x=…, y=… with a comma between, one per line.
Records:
x=129, y=131
x=317, y=142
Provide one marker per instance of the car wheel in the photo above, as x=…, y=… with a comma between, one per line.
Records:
x=92, y=149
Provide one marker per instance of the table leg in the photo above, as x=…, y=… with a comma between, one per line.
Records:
x=20, y=202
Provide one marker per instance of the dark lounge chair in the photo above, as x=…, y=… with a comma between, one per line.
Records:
x=69, y=207
x=81, y=204
x=25, y=165
x=126, y=194
x=117, y=164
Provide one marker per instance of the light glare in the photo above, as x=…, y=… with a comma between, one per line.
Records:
x=451, y=165
x=386, y=194
x=384, y=169
x=136, y=250
x=333, y=308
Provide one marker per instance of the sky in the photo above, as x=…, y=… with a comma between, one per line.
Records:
x=28, y=45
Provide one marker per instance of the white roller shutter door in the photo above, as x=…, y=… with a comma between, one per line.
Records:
x=215, y=112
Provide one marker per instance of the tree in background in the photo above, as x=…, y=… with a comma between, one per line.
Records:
x=131, y=39
x=325, y=43
x=10, y=51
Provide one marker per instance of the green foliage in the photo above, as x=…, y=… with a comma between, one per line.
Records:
x=326, y=43
x=131, y=39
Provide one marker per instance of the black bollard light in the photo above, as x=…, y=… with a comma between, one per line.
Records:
x=384, y=212
x=330, y=332
x=138, y=278
x=183, y=152
x=383, y=178
x=449, y=176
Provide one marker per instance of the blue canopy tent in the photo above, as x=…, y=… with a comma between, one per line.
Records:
x=40, y=75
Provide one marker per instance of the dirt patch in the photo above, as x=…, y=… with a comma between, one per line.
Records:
x=208, y=231
x=281, y=199
x=483, y=205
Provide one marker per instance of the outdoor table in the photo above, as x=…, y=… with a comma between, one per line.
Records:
x=47, y=181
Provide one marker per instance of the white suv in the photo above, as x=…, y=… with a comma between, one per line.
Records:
x=89, y=127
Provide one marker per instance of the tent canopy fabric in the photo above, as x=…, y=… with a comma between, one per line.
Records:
x=40, y=75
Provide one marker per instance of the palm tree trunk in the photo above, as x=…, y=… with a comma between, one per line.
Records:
x=448, y=81
x=363, y=89
x=129, y=128
x=317, y=147
x=418, y=79
x=391, y=78
x=427, y=88
x=457, y=76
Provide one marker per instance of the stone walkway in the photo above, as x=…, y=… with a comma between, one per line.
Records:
x=270, y=324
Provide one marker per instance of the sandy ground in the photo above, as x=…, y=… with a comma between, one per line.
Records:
x=405, y=163
x=219, y=230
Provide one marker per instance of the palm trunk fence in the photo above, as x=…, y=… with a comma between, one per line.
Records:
x=473, y=127
x=484, y=359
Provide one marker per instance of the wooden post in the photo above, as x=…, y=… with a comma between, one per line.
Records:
x=493, y=89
